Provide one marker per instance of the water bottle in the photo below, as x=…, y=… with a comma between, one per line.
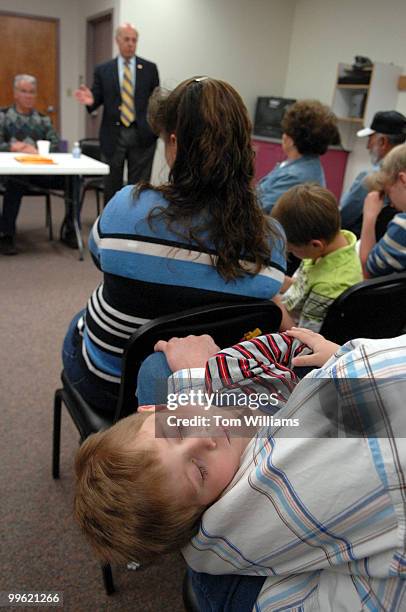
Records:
x=76, y=150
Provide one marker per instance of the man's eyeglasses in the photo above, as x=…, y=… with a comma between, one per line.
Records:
x=26, y=92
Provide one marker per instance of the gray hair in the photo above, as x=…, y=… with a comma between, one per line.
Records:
x=393, y=139
x=25, y=77
x=126, y=26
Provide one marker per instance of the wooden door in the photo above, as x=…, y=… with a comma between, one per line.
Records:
x=30, y=45
x=99, y=50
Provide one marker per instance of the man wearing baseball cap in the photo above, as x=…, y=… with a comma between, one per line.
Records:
x=388, y=129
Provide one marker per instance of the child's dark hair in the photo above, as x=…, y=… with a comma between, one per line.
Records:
x=308, y=212
x=122, y=500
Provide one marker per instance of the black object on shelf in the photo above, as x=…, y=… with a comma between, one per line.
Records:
x=362, y=63
x=358, y=77
x=268, y=115
x=359, y=73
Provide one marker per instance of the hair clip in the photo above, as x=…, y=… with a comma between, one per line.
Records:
x=198, y=79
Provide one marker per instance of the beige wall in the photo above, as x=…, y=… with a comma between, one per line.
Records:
x=243, y=42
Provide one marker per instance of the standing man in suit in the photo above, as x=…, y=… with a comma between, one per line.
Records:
x=123, y=86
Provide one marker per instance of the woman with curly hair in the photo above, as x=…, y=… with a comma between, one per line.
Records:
x=308, y=127
x=200, y=238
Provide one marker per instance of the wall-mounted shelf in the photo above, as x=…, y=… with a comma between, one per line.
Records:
x=355, y=104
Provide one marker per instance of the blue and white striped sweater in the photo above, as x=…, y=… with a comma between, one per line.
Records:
x=149, y=271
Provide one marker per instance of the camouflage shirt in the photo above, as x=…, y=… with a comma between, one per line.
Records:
x=25, y=128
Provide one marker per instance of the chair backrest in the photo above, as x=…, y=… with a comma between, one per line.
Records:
x=91, y=147
x=226, y=323
x=375, y=308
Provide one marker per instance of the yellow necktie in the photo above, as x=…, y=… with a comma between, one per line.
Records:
x=127, y=115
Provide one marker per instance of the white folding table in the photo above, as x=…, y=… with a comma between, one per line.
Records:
x=64, y=164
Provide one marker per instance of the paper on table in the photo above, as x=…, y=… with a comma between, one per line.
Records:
x=34, y=159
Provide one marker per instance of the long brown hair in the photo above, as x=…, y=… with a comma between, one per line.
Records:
x=211, y=190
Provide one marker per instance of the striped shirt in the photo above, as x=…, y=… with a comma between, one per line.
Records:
x=324, y=518
x=150, y=271
x=389, y=254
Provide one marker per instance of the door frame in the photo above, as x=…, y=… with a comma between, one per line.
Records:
x=89, y=38
x=89, y=67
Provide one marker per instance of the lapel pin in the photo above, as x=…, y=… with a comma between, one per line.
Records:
x=140, y=66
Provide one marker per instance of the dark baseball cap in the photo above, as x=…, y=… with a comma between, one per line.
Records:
x=386, y=122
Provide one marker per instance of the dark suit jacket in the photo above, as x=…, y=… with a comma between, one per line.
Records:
x=106, y=92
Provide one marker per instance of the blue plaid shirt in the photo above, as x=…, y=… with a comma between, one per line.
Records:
x=323, y=516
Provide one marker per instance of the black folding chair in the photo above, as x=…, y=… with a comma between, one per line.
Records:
x=227, y=323
x=374, y=308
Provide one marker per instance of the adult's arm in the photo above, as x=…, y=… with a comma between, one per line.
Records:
x=286, y=321
x=97, y=90
x=4, y=143
x=188, y=352
x=372, y=207
x=389, y=254
x=94, y=97
x=272, y=186
x=155, y=78
x=50, y=133
x=352, y=201
x=95, y=243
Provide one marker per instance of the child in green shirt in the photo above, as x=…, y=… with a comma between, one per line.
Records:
x=310, y=216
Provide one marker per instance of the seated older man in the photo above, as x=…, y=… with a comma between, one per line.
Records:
x=21, y=126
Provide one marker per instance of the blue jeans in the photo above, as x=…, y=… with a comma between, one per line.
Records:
x=226, y=593
x=100, y=394
x=152, y=380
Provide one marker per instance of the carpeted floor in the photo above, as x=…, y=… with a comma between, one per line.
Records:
x=41, y=548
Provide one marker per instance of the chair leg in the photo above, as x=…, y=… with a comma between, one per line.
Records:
x=108, y=578
x=98, y=202
x=82, y=197
x=48, y=217
x=56, y=440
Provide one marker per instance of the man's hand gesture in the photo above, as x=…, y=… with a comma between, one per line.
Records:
x=84, y=95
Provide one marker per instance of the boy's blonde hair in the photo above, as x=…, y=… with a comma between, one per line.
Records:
x=308, y=212
x=122, y=500
x=393, y=163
